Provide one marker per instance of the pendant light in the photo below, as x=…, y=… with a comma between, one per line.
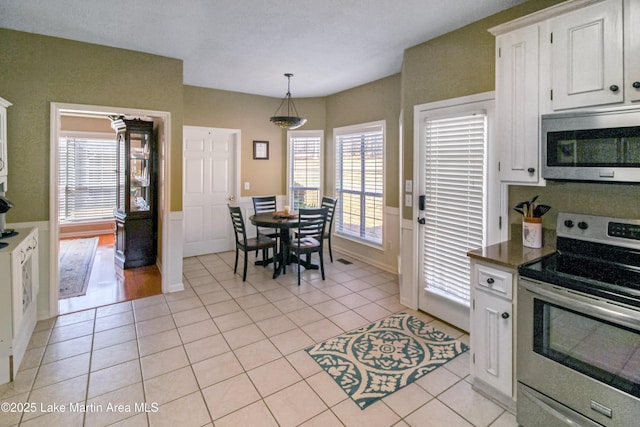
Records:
x=288, y=121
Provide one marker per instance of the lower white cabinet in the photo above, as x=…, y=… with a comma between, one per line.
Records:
x=18, y=298
x=491, y=334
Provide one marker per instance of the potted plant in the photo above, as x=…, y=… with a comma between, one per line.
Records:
x=532, y=221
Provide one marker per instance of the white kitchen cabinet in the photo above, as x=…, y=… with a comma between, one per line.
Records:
x=19, y=286
x=632, y=18
x=4, y=104
x=517, y=93
x=587, y=56
x=492, y=328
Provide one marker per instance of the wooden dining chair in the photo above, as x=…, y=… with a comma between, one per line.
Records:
x=265, y=204
x=247, y=245
x=309, y=236
x=330, y=204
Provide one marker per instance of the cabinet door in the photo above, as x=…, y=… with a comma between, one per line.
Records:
x=493, y=341
x=586, y=56
x=517, y=104
x=632, y=57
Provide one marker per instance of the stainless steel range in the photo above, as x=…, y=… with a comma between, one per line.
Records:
x=578, y=327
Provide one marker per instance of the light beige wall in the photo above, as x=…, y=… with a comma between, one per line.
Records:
x=456, y=64
x=37, y=70
x=614, y=200
x=250, y=113
x=378, y=100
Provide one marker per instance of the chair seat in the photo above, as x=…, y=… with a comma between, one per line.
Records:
x=272, y=234
x=259, y=242
x=305, y=243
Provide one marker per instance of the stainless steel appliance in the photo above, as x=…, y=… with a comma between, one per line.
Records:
x=578, y=327
x=592, y=145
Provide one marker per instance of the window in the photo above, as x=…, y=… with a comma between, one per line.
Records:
x=87, y=183
x=359, y=157
x=455, y=199
x=305, y=169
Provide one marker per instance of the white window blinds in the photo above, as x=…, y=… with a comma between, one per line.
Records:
x=360, y=182
x=454, y=183
x=87, y=186
x=305, y=171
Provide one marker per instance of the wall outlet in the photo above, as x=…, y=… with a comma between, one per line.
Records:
x=246, y=186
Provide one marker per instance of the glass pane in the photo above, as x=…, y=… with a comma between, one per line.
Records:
x=597, y=348
x=121, y=172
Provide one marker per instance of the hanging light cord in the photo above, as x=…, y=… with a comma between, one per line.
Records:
x=288, y=98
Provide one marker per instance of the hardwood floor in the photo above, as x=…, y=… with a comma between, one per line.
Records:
x=109, y=284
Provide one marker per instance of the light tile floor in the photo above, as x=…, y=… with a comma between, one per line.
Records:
x=227, y=353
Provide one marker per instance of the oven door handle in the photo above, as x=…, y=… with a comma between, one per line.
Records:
x=586, y=304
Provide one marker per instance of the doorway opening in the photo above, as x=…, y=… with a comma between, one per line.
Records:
x=106, y=283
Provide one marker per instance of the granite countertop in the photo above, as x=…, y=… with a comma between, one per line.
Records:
x=510, y=254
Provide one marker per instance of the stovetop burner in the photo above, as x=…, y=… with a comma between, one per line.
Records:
x=600, y=257
x=588, y=276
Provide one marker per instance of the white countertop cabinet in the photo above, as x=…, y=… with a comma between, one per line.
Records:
x=19, y=286
x=492, y=329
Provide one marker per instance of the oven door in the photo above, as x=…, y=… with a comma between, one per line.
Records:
x=581, y=353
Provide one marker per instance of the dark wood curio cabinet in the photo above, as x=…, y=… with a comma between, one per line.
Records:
x=136, y=211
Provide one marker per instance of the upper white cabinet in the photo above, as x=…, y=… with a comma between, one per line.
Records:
x=517, y=92
x=4, y=104
x=587, y=56
x=632, y=18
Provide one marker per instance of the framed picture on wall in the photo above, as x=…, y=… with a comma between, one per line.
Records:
x=261, y=150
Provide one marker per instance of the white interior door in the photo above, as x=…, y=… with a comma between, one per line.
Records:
x=209, y=168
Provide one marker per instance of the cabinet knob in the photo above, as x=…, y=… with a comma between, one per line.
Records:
x=636, y=85
x=505, y=315
x=490, y=280
x=614, y=88
x=531, y=170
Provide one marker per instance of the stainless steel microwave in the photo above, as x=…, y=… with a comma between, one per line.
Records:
x=592, y=145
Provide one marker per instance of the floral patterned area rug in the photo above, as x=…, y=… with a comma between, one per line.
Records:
x=376, y=360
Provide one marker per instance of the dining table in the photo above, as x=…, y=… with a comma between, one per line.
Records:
x=284, y=223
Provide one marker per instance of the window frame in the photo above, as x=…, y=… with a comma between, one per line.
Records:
x=291, y=135
x=350, y=130
x=83, y=135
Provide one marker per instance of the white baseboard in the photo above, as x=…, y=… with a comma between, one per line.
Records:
x=389, y=268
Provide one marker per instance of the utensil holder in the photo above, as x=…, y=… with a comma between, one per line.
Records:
x=532, y=232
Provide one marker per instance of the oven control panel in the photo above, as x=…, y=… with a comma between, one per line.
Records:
x=625, y=231
x=599, y=229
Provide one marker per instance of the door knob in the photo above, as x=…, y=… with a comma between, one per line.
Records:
x=531, y=170
x=231, y=198
x=614, y=88
x=490, y=280
x=636, y=85
x=505, y=315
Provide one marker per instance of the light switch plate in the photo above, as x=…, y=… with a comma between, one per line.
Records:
x=246, y=186
x=408, y=200
x=408, y=186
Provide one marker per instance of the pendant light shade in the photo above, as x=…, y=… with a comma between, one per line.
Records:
x=289, y=118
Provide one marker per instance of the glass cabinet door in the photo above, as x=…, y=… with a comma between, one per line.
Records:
x=139, y=169
x=121, y=173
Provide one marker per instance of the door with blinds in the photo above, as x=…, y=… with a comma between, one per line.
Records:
x=453, y=158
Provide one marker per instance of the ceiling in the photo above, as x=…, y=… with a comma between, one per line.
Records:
x=247, y=45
